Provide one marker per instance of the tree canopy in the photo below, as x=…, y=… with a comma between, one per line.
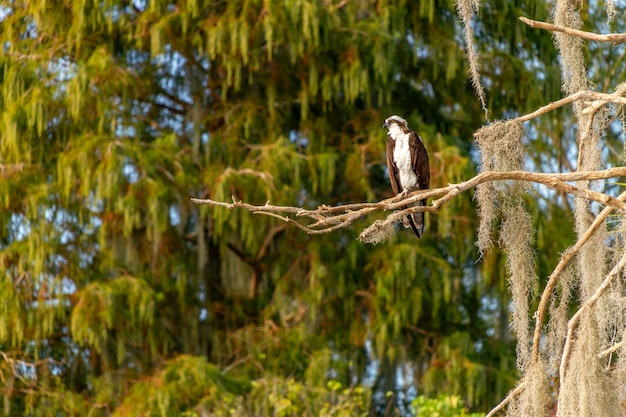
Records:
x=119, y=296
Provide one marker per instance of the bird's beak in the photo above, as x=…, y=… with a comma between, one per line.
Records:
x=385, y=125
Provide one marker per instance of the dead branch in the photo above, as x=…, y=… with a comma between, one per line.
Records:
x=567, y=256
x=594, y=101
x=516, y=391
x=573, y=322
x=327, y=219
x=612, y=349
x=615, y=38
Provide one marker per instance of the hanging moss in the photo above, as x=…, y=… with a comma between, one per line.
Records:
x=128, y=299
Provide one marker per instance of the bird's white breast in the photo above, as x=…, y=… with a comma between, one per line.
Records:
x=402, y=159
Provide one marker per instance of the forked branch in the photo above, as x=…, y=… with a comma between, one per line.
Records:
x=593, y=99
x=567, y=256
x=573, y=322
x=325, y=219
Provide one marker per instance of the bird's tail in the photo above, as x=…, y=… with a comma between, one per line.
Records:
x=416, y=220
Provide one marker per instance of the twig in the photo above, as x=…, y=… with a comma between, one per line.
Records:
x=516, y=391
x=612, y=349
x=573, y=322
x=240, y=361
x=563, y=262
x=269, y=213
x=615, y=38
x=8, y=169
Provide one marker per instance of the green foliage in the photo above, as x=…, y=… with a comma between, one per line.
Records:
x=191, y=386
x=184, y=384
x=442, y=406
x=289, y=398
x=124, y=303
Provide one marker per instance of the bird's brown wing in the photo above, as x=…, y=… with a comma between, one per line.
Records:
x=419, y=160
x=391, y=166
x=420, y=164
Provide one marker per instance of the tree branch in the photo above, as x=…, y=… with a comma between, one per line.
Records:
x=595, y=101
x=615, y=38
x=327, y=219
x=516, y=391
x=612, y=349
x=573, y=322
x=564, y=261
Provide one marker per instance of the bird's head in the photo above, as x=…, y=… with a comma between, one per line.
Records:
x=396, y=120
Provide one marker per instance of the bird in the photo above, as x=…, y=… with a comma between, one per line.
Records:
x=407, y=163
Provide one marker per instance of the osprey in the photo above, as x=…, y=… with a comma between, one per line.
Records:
x=407, y=162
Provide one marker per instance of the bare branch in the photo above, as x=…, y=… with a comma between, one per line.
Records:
x=283, y=218
x=573, y=322
x=595, y=99
x=327, y=219
x=516, y=391
x=612, y=349
x=565, y=259
x=615, y=38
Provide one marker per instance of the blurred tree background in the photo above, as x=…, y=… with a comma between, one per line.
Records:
x=120, y=297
